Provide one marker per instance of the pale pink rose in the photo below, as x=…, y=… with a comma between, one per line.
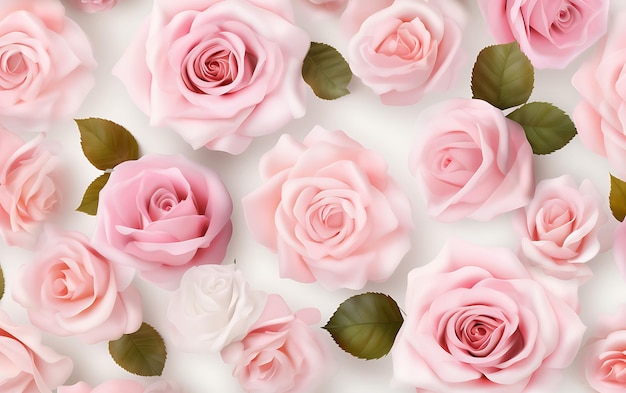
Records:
x=604, y=356
x=28, y=366
x=600, y=117
x=329, y=5
x=559, y=227
x=92, y=6
x=281, y=353
x=356, y=11
x=330, y=210
x=28, y=191
x=477, y=322
x=162, y=215
x=551, y=33
x=69, y=289
x=213, y=307
x=474, y=162
x=219, y=72
x=46, y=65
x=405, y=51
x=121, y=386
x=619, y=247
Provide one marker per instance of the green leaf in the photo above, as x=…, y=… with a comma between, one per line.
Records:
x=617, y=198
x=89, y=203
x=326, y=71
x=547, y=127
x=142, y=353
x=366, y=325
x=503, y=76
x=106, y=143
x=1, y=283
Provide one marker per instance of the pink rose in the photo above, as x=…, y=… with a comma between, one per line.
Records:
x=46, y=64
x=619, y=247
x=69, y=289
x=604, y=356
x=559, y=227
x=219, y=72
x=27, y=365
x=281, y=353
x=477, y=322
x=121, y=386
x=92, y=6
x=330, y=210
x=474, y=162
x=600, y=117
x=162, y=215
x=551, y=33
x=213, y=306
x=28, y=193
x=329, y=5
x=406, y=50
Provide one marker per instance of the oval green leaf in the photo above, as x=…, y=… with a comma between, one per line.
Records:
x=89, y=203
x=617, y=198
x=503, y=76
x=326, y=71
x=547, y=127
x=142, y=352
x=366, y=325
x=105, y=143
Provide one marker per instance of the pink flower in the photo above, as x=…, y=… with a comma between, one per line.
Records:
x=405, y=51
x=219, y=72
x=92, y=6
x=477, y=322
x=69, y=289
x=559, y=227
x=162, y=215
x=27, y=365
x=330, y=210
x=28, y=193
x=604, y=356
x=121, y=386
x=281, y=353
x=46, y=64
x=329, y=5
x=600, y=116
x=619, y=247
x=474, y=162
x=551, y=33
x=213, y=306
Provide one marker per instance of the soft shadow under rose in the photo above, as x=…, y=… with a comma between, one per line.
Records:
x=477, y=322
x=163, y=214
x=219, y=72
x=330, y=209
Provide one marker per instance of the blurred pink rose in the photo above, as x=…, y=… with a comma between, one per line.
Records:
x=559, y=227
x=28, y=193
x=551, y=33
x=69, y=289
x=219, y=72
x=121, y=386
x=213, y=306
x=601, y=117
x=27, y=365
x=162, y=215
x=281, y=353
x=330, y=210
x=46, y=67
x=473, y=163
x=619, y=247
x=92, y=6
x=477, y=322
x=329, y=5
x=405, y=51
x=604, y=355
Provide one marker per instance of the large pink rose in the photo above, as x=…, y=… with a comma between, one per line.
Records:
x=330, y=210
x=406, y=50
x=162, y=215
x=472, y=161
x=92, y=6
x=601, y=117
x=69, y=289
x=121, y=386
x=219, y=72
x=28, y=366
x=559, y=227
x=28, y=192
x=281, y=353
x=46, y=64
x=477, y=322
x=551, y=33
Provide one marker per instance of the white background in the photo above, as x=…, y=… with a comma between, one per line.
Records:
x=389, y=130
